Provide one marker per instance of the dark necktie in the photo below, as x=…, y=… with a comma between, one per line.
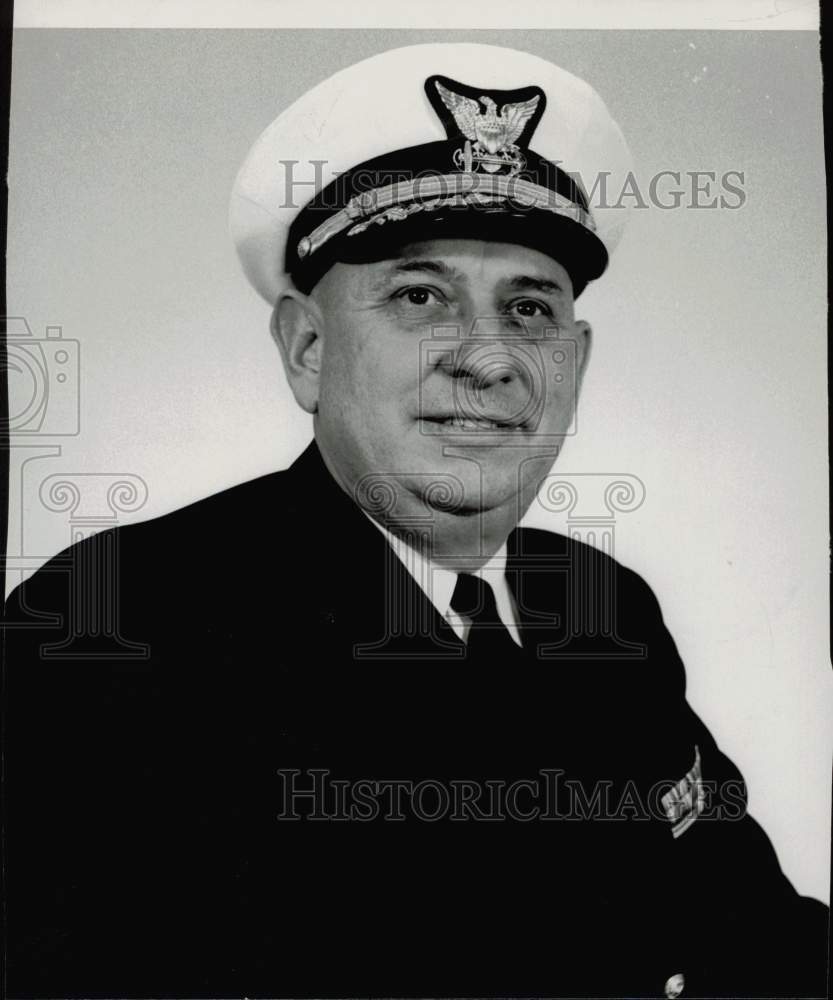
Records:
x=488, y=636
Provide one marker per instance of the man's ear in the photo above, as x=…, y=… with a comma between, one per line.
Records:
x=584, y=341
x=297, y=326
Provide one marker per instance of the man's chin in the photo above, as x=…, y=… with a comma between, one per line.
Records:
x=464, y=488
x=453, y=480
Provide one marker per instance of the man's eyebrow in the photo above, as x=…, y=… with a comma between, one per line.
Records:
x=528, y=282
x=431, y=266
x=520, y=282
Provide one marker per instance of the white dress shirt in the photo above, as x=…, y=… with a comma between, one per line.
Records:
x=438, y=583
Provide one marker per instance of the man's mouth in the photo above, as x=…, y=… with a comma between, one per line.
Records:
x=473, y=423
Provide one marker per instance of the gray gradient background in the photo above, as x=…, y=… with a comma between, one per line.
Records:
x=707, y=379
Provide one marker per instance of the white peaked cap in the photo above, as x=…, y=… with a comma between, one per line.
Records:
x=380, y=105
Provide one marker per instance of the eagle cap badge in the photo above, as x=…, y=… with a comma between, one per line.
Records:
x=496, y=124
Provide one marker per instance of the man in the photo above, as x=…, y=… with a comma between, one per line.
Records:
x=346, y=729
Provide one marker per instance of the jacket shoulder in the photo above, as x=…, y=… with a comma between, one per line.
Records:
x=205, y=533
x=580, y=559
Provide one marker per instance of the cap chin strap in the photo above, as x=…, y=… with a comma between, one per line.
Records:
x=395, y=202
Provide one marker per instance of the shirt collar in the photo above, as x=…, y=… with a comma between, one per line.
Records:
x=436, y=581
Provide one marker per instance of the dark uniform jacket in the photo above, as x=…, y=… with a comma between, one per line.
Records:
x=173, y=688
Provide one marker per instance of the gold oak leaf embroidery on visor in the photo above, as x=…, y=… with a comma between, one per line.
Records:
x=685, y=801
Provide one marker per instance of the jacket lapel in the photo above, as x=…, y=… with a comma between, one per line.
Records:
x=363, y=592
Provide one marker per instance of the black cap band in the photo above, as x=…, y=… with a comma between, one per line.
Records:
x=415, y=185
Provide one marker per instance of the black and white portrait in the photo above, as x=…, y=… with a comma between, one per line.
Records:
x=417, y=571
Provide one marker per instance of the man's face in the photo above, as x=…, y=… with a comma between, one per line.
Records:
x=456, y=363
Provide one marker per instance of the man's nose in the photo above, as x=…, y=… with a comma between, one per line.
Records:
x=481, y=353
x=484, y=365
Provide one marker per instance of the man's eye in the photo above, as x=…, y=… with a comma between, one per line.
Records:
x=419, y=295
x=529, y=308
